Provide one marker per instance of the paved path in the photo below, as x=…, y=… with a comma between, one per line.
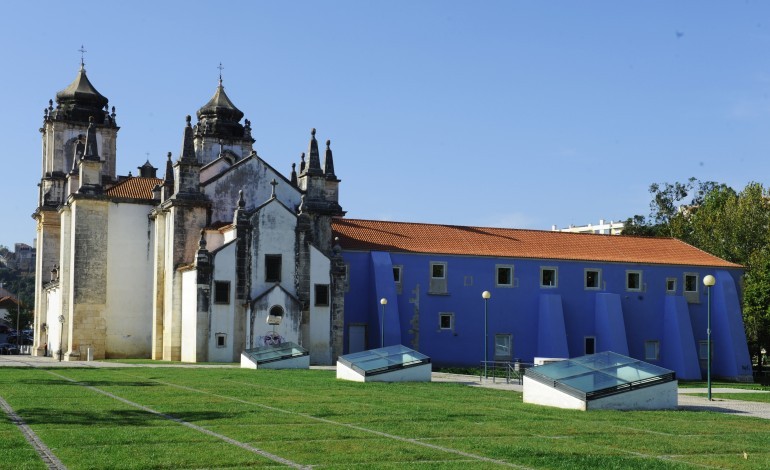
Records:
x=686, y=401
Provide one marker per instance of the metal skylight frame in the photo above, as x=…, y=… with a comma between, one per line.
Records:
x=599, y=375
x=276, y=352
x=382, y=360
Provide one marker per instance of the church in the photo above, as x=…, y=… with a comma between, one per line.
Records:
x=222, y=253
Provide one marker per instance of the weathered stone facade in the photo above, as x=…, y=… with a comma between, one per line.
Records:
x=180, y=268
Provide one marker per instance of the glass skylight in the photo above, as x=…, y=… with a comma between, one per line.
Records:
x=275, y=353
x=378, y=361
x=602, y=374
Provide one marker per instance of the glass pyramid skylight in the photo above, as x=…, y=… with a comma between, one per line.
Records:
x=379, y=361
x=598, y=375
x=275, y=353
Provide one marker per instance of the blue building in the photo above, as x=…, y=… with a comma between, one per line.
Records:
x=552, y=294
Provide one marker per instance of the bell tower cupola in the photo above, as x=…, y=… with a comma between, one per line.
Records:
x=219, y=129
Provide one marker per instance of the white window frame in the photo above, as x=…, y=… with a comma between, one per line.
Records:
x=223, y=337
x=629, y=272
x=451, y=317
x=598, y=272
x=668, y=280
x=438, y=263
x=703, y=346
x=510, y=269
x=555, y=270
x=691, y=296
x=684, y=283
x=654, y=343
x=438, y=285
x=400, y=269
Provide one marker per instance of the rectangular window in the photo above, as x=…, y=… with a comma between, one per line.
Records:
x=221, y=292
x=589, y=343
x=398, y=272
x=634, y=280
x=691, y=288
x=671, y=285
x=446, y=321
x=503, y=347
x=703, y=351
x=221, y=340
x=691, y=283
x=272, y=268
x=438, y=278
x=438, y=270
x=651, y=350
x=504, y=275
x=322, y=295
x=549, y=276
x=593, y=278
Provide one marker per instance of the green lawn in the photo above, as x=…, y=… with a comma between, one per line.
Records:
x=237, y=418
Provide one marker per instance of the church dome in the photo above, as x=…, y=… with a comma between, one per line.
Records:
x=220, y=116
x=80, y=100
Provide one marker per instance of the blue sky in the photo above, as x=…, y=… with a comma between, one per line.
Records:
x=495, y=113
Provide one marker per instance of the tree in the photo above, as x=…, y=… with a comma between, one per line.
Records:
x=733, y=226
x=22, y=286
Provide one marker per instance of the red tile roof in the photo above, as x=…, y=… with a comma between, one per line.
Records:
x=367, y=235
x=134, y=188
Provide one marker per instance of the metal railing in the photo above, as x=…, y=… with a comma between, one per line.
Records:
x=510, y=371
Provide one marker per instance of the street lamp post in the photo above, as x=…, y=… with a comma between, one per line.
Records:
x=485, y=295
x=383, y=302
x=709, y=282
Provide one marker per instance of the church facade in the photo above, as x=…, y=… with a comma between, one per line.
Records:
x=223, y=253
x=188, y=266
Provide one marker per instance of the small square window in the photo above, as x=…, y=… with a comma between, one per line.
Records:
x=221, y=340
x=272, y=268
x=593, y=278
x=221, y=292
x=438, y=270
x=634, y=280
x=397, y=274
x=504, y=276
x=322, y=295
x=670, y=285
x=446, y=321
x=548, y=277
x=651, y=350
x=690, y=283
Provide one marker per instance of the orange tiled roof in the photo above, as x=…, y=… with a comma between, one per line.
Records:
x=134, y=188
x=516, y=243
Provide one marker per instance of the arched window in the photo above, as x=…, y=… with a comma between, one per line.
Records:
x=275, y=315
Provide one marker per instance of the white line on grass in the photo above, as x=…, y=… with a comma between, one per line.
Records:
x=351, y=426
x=203, y=430
x=48, y=457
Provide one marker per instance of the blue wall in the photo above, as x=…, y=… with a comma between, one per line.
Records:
x=547, y=321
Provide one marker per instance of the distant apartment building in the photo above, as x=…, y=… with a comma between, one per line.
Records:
x=24, y=257
x=602, y=228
